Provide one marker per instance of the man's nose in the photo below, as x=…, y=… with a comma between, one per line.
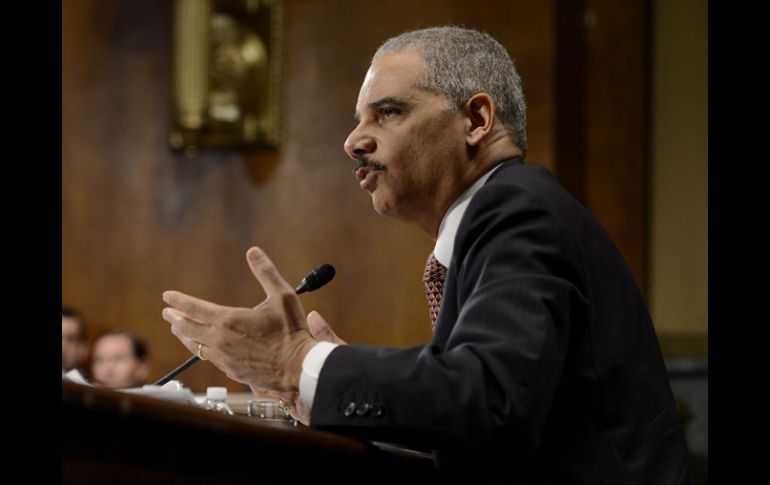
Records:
x=359, y=144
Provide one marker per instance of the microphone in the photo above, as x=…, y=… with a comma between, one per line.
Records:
x=313, y=281
x=316, y=278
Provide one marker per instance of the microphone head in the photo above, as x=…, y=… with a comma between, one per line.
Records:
x=317, y=278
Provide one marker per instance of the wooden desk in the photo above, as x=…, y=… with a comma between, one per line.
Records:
x=111, y=437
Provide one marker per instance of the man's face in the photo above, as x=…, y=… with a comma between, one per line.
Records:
x=73, y=349
x=115, y=365
x=407, y=143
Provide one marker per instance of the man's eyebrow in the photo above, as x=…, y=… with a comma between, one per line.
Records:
x=388, y=101
x=385, y=101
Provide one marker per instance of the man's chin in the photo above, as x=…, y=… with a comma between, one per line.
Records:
x=381, y=205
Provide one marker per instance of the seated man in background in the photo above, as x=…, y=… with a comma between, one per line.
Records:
x=119, y=360
x=74, y=349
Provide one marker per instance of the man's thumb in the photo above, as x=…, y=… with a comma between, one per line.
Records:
x=320, y=330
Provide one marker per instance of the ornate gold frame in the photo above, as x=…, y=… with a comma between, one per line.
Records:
x=227, y=61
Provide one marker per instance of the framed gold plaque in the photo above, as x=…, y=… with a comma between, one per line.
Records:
x=226, y=74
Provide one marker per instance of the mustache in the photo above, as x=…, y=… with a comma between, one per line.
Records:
x=366, y=162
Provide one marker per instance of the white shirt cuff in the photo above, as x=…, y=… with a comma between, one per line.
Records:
x=311, y=369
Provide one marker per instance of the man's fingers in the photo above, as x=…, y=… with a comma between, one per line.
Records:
x=186, y=326
x=301, y=413
x=268, y=394
x=192, y=345
x=266, y=273
x=202, y=311
x=320, y=330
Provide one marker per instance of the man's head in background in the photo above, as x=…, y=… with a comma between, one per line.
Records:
x=74, y=349
x=119, y=360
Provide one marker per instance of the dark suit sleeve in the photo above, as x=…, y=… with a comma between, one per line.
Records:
x=512, y=294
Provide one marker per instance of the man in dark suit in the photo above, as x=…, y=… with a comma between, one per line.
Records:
x=544, y=365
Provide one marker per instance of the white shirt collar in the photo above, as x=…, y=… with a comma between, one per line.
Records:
x=448, y=229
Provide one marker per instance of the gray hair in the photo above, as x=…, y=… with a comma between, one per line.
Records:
x=463, y=62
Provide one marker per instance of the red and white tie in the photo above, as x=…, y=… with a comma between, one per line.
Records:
x=434, y=277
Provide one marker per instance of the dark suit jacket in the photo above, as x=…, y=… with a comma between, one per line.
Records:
x=544, y=367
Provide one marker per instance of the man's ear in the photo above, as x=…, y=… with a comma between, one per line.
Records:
x=481, y=115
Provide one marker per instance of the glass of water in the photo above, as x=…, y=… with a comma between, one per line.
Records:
x=269, y=411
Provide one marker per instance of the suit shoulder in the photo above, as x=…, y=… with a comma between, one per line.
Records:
x=526, y=185
x=528, y=177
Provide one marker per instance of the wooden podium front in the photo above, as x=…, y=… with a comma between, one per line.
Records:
x=112, y=437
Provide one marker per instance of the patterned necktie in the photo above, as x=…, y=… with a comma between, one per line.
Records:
x=434, y=277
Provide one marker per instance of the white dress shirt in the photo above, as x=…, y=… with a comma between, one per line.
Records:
x=314, y=360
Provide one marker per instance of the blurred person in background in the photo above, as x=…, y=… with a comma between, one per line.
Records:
x=119, y=360
x=74, y=348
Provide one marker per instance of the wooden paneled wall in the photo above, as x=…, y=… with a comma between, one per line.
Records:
x=138, y=219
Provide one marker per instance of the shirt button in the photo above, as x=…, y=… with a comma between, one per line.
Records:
x=363, y=409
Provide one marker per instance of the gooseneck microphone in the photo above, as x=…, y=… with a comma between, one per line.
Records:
x=316, y=278
x=313, y=281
